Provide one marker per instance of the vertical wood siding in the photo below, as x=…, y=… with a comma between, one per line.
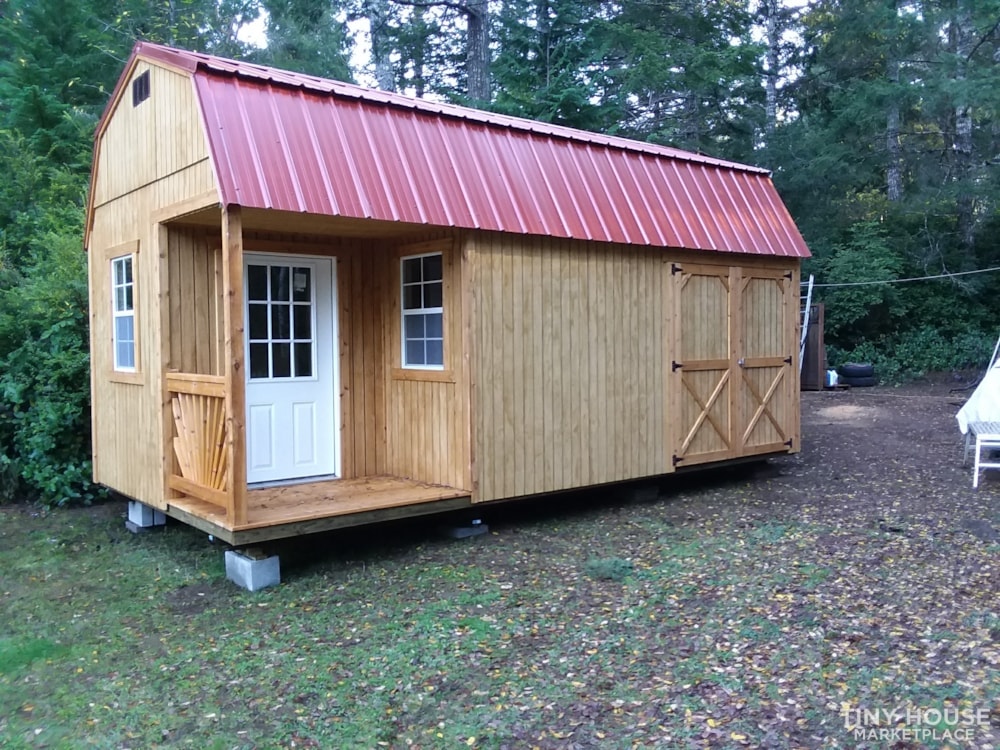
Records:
x=197, y=334
x=150, y=157
x=568, y=356
x=427, y=412
x=128, y=417
x=143, y=144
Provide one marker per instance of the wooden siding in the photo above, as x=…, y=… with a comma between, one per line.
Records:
x=361, y=268
x=128, y=416
x=197, y=333
x=159, y=137
x=149, y=158
x=569, y=361
x=427, y=411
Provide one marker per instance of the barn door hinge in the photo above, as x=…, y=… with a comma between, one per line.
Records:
x=788, y=360
x=788, y=443
x=674, y=269
x=675, y=366
x=788, y=275
x=677, y=459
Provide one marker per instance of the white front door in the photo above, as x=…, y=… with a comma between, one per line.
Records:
x=291, y=371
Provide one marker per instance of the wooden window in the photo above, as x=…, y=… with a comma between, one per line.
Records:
x=140, y=89
x=422, y=290
x=123, y=313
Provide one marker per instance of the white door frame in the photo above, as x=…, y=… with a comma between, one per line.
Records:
x=333, y=343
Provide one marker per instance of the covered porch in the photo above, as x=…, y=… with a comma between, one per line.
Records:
x=209, y=371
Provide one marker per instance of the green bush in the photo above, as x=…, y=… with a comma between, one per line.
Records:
x=44, y=378
x=912, y=354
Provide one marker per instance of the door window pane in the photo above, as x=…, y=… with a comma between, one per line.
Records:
x=257, y=283
x=258, y=321
x=281, y=327
x=302, y=285
x=303, y=322
x=279, y=283
x=281, y=360
x=303, y=360
x=258, y=361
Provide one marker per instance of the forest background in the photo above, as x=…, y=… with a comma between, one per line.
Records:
x=877, y=117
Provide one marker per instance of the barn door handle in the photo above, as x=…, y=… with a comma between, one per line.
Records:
x=741, y=362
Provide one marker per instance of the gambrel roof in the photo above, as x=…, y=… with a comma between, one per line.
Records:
x=292, y=142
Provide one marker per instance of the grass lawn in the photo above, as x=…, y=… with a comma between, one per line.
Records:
x=748, y=608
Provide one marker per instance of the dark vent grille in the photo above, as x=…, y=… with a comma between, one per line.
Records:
x=140, y=89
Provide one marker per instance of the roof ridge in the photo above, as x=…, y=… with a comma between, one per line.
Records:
x=213, y=64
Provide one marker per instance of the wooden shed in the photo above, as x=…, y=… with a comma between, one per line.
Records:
x=316, y=305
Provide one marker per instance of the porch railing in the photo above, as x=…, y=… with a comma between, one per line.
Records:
x=200, y=443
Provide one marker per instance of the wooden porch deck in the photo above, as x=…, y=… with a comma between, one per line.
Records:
x=311, y=507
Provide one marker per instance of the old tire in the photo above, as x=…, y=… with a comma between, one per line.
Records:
x=856, y=370
x=865, y=382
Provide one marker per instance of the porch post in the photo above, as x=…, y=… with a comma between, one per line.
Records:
x=232, y=283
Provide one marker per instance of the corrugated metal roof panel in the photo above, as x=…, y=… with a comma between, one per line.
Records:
x=298, y=143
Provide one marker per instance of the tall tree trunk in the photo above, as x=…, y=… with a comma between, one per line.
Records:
x=894, y=167
x=477, y=54
x=773, y=26
x=378, y=23
x=961, y=38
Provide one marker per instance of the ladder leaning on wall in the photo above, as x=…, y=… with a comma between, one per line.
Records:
x=806, y=307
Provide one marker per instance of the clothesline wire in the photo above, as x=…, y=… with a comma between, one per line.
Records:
x=903, y=281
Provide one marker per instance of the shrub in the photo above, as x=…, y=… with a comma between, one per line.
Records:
x=45, y=380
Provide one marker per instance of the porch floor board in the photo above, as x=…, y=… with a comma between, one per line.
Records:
x=293, y=509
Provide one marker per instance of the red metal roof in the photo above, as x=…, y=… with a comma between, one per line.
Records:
x=298, y=143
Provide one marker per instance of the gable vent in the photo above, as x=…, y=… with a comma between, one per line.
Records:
x=140, y=89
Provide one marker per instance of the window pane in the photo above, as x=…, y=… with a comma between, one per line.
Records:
x=126, y=354
x=435, y=352
x=128, y=298
x=124, y=328
x=119, y=270
x=279, y=283
x=414, y=326
x=258, y=361
x=433, y=325
x=127, y=264
x=411, y=297
x=411, y=270
x=415, y=352
x=303, y=322
x=281, y=360
x=432, y=294
x=303, y=360
x=301, y=285
x=257, y=283
x=281, y=326
x=432, y=268
x=119, y=299
x=258, y=321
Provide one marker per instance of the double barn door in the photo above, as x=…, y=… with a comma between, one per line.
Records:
x=734, y=372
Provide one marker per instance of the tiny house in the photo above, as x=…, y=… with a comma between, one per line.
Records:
x=315, y=305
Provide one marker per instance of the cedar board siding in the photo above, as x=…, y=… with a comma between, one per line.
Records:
x=427, y=412
x=573, y=345
x=569, y=361
x=149, y=157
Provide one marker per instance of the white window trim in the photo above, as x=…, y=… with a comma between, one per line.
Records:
x=419, y=311
x=130, y=313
